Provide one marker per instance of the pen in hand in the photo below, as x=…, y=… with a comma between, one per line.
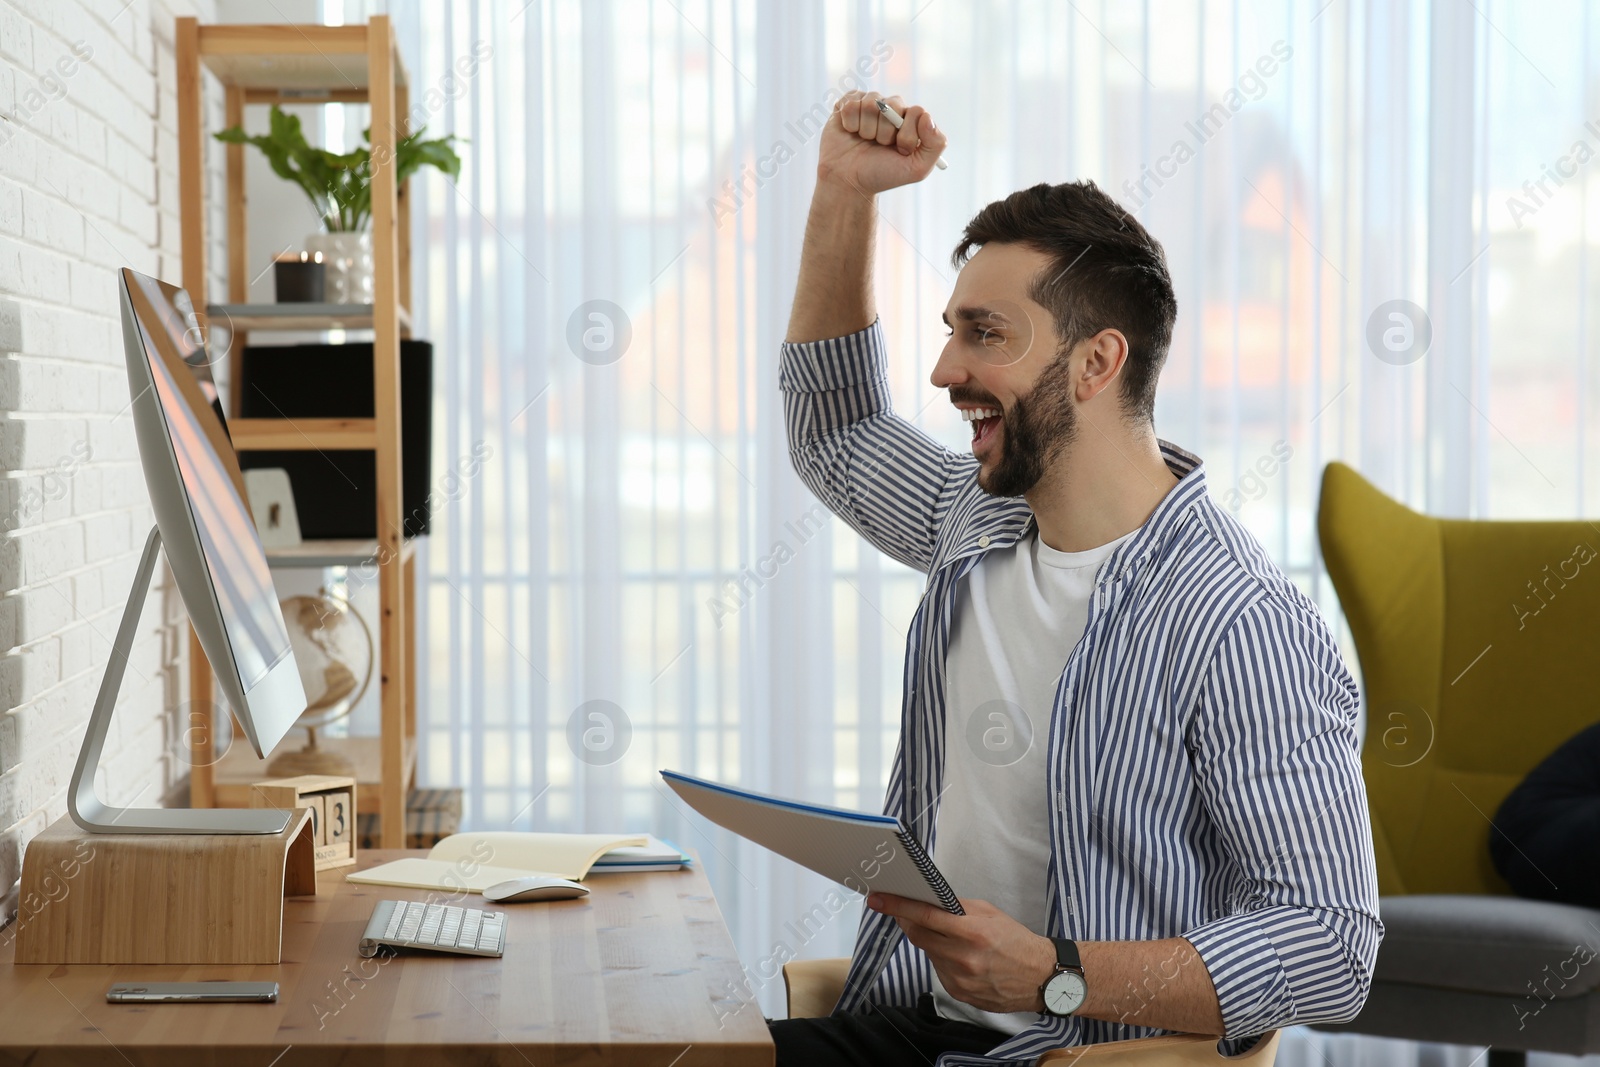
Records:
x=896, y=121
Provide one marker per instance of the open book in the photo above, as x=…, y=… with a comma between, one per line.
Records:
x=859, y=851
x=473, y=861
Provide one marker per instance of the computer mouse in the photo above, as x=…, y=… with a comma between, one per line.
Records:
x=536, y=887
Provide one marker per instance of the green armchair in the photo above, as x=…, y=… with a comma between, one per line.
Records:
x=1479, y=645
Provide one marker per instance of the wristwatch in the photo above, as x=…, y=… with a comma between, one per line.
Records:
x=1065, y=990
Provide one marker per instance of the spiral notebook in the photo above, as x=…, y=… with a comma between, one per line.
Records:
x=864, y=853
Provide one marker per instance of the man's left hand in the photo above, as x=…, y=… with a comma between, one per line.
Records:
x=984, y=958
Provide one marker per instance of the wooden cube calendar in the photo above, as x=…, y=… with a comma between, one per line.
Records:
x=341, y=815
x=332, y=801
x=318, y=803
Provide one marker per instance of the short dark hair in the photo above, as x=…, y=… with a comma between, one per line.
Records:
x=1105, y=271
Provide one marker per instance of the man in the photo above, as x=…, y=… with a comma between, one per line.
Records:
x=1127, y=739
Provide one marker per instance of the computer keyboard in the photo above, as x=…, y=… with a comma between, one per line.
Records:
x=435, y=927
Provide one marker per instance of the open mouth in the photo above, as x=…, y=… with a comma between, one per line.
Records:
x=985, y=423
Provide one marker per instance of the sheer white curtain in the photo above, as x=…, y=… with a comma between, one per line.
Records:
x=628, y=575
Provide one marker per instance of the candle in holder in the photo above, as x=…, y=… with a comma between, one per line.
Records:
x=299, y=277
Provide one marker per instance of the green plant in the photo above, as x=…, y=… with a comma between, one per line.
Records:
x=340, y=184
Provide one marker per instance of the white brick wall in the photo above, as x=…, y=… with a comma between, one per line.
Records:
x=88, y=183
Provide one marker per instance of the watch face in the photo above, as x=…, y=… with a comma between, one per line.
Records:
x=1064, y=993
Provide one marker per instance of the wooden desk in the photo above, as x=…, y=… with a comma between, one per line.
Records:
x=639, y=972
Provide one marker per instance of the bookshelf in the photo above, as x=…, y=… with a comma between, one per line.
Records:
x=266, y=64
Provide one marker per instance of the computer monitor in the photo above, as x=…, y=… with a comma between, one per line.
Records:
x=203, y=522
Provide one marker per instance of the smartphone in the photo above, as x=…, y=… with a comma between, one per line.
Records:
x=192, y=992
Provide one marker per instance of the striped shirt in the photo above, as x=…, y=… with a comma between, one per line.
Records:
x=1204, y=774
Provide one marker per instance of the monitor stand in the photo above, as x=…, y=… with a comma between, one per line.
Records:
x=98, y=817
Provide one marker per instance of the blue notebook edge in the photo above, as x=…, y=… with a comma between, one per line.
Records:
x=919, y=855
x=684, y=859
x=780, y=802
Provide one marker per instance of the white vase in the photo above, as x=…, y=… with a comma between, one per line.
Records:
x=348, y=261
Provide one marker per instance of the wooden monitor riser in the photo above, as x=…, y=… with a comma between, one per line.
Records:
x=160, y=898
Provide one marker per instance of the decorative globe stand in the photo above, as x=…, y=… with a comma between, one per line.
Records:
x=335, y=693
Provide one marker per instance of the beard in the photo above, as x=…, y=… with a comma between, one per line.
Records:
x=1035, y=432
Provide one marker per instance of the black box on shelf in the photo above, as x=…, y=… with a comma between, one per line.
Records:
x=335, y=492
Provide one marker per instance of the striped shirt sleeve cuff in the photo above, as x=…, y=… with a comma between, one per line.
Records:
x=851, y=361
x=1245, y=956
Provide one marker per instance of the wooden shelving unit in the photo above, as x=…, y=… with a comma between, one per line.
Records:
x=337, y=553
x=292, y=64
x=238, y=770
x=247, y=317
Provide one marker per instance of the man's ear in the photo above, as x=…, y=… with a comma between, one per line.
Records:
x=1103, y=357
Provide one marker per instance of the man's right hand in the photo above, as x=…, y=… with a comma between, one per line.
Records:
x=862, y=149
x=860, y=155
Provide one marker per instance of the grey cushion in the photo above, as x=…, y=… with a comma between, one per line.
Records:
x=1482, y=944
x=1417, y=1013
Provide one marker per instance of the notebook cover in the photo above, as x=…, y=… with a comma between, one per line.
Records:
x=864, y=853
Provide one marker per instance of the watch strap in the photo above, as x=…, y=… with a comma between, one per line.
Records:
x=1067, y=955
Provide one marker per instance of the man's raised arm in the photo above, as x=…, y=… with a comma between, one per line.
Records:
x=861, y=155
x=833, y=295
x=876, y=471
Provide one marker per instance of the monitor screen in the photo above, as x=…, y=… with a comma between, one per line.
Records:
x=231, y=552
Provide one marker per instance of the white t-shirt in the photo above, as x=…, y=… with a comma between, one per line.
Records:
x=1018, y=615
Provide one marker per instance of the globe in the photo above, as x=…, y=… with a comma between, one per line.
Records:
x=333, y=648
